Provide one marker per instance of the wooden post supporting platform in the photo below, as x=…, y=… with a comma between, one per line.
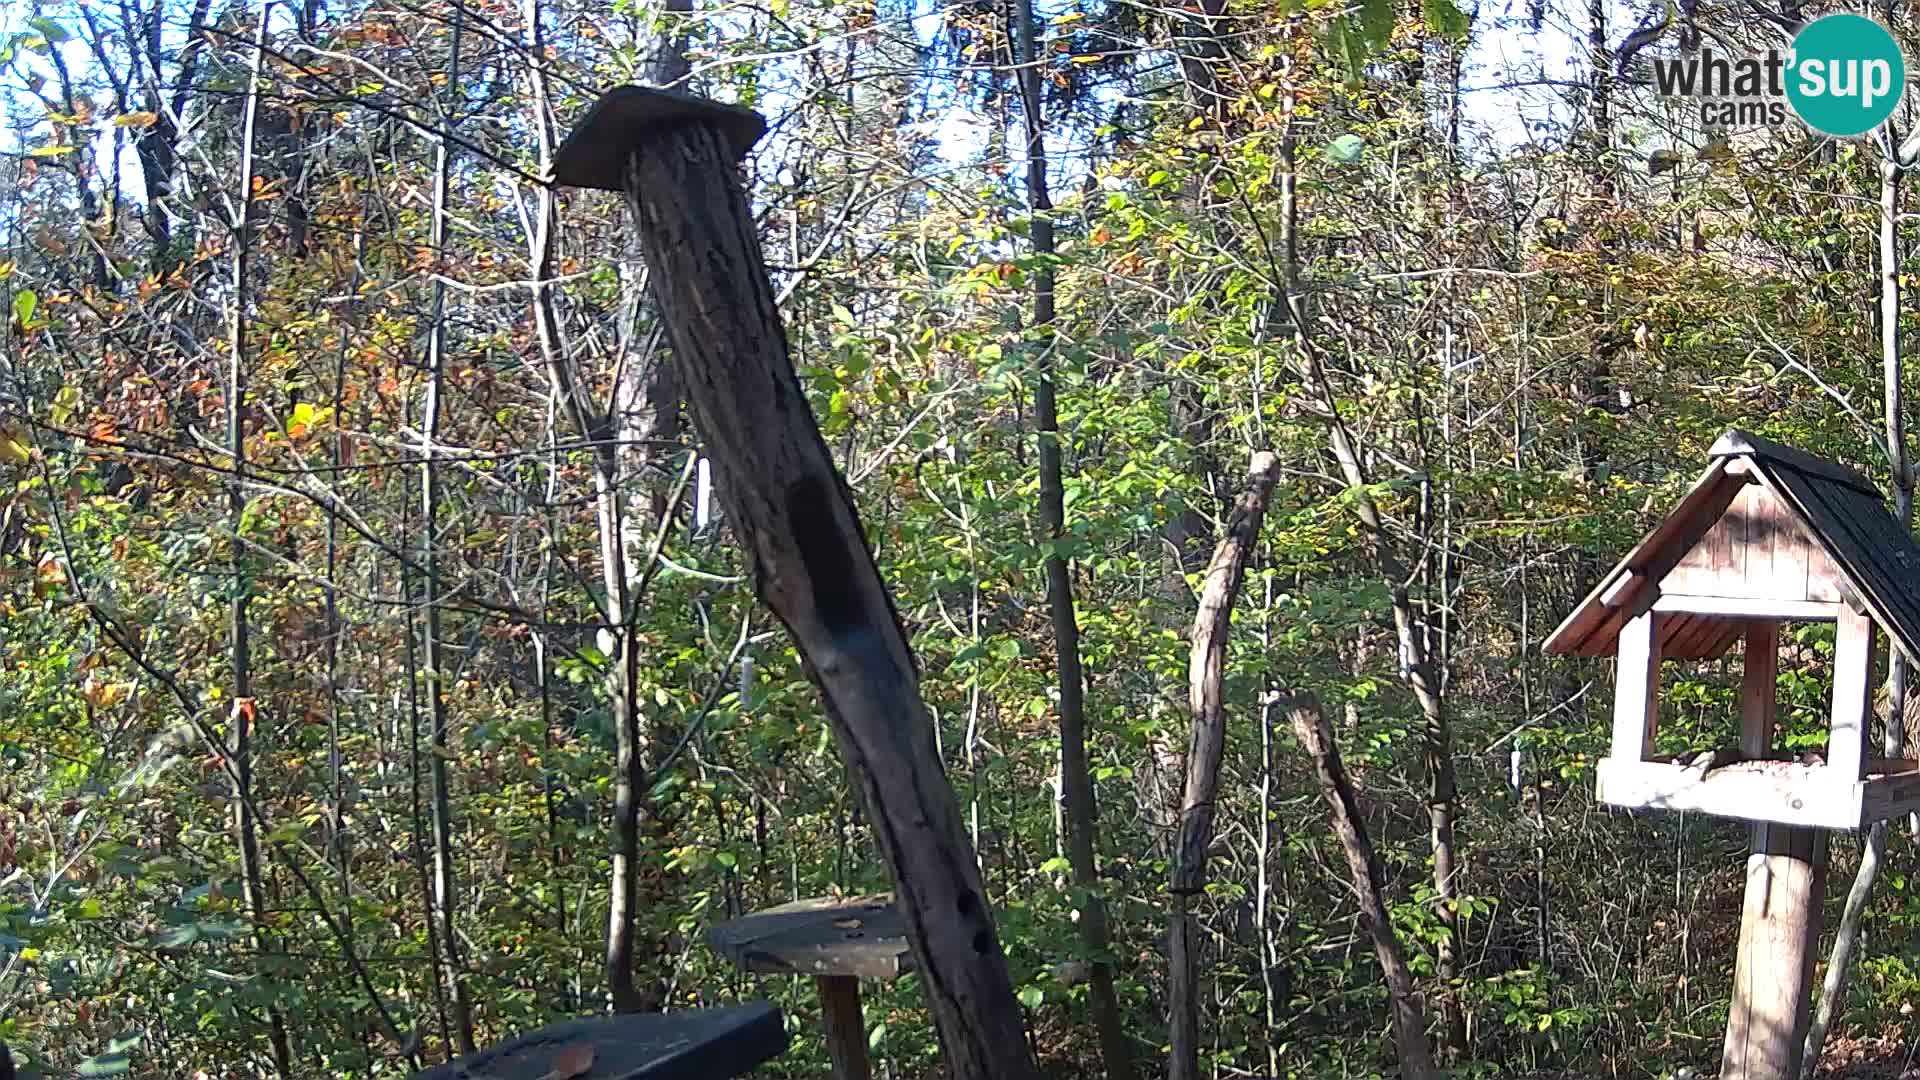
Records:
x=1773, y=976
x=846, y=1027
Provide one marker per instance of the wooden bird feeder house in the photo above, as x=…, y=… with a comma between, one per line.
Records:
x=1769, y=535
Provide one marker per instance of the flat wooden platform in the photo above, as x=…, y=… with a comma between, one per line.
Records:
x=1782, y=792
x=696, y=1044
x=861, y=936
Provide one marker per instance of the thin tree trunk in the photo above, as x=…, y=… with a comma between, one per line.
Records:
x=1417, y=667
x=1846, y=941
x=626, y=438
x=341, y=851
x=1369, y=885
x=1273, y=985
x=241, y=657
x=1075, y=781
x=445, y=892
x=1206, y=672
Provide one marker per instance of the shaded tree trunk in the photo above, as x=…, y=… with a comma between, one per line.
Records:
x=1206, y=669
x=1846, y=940
x=1369, y=885
x=1076, y=783
x=1418, y=669
x=627, y=439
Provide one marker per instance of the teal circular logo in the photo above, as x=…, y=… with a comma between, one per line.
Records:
x=1845, y=74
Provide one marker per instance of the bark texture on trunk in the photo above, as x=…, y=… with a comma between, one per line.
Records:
x=1206, y=668
x=1369, y=885
x=1076, y=783
x=792, y=511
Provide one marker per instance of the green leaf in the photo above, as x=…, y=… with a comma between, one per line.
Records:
x=24, y=303
x=13, y=444
x=105, y=1065
x=1445, y=18
x=1032, y=996
x=844, y=316
x=1344, y=39
x=49, y=29
x=1376, y=23
x=877, y=1036
x=1346, y=149
x=178, y=937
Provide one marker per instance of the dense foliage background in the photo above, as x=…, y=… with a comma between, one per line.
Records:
x=313, y=541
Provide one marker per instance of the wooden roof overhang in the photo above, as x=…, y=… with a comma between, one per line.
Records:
x=1833, y=517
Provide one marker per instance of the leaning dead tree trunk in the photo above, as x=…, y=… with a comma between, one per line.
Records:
x=1369, y=885
x=676, y=158
x=1205, y=675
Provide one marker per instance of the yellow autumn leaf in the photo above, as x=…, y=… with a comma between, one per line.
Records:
x=136, y=119
x=13, y=444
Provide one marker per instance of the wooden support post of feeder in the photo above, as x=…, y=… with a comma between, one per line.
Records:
x=1780, y=915
x=1773, y=971
x=838, y=941
x=676, y=158
x=1768, y=535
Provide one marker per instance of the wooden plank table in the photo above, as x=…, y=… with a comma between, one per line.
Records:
x=838, y=941
x=694, y=1044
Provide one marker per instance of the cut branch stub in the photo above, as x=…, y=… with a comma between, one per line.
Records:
x=792, y=512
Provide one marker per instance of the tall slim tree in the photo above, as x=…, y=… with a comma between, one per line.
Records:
x=433, y=664
x=1076, y=781
x=1896, y=159
x=245, y=709
x=629, y=439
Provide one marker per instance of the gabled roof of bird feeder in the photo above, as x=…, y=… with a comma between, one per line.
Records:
x=1767, y=532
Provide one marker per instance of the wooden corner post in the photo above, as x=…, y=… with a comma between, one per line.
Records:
x=676, y=158
x=1636, y=695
